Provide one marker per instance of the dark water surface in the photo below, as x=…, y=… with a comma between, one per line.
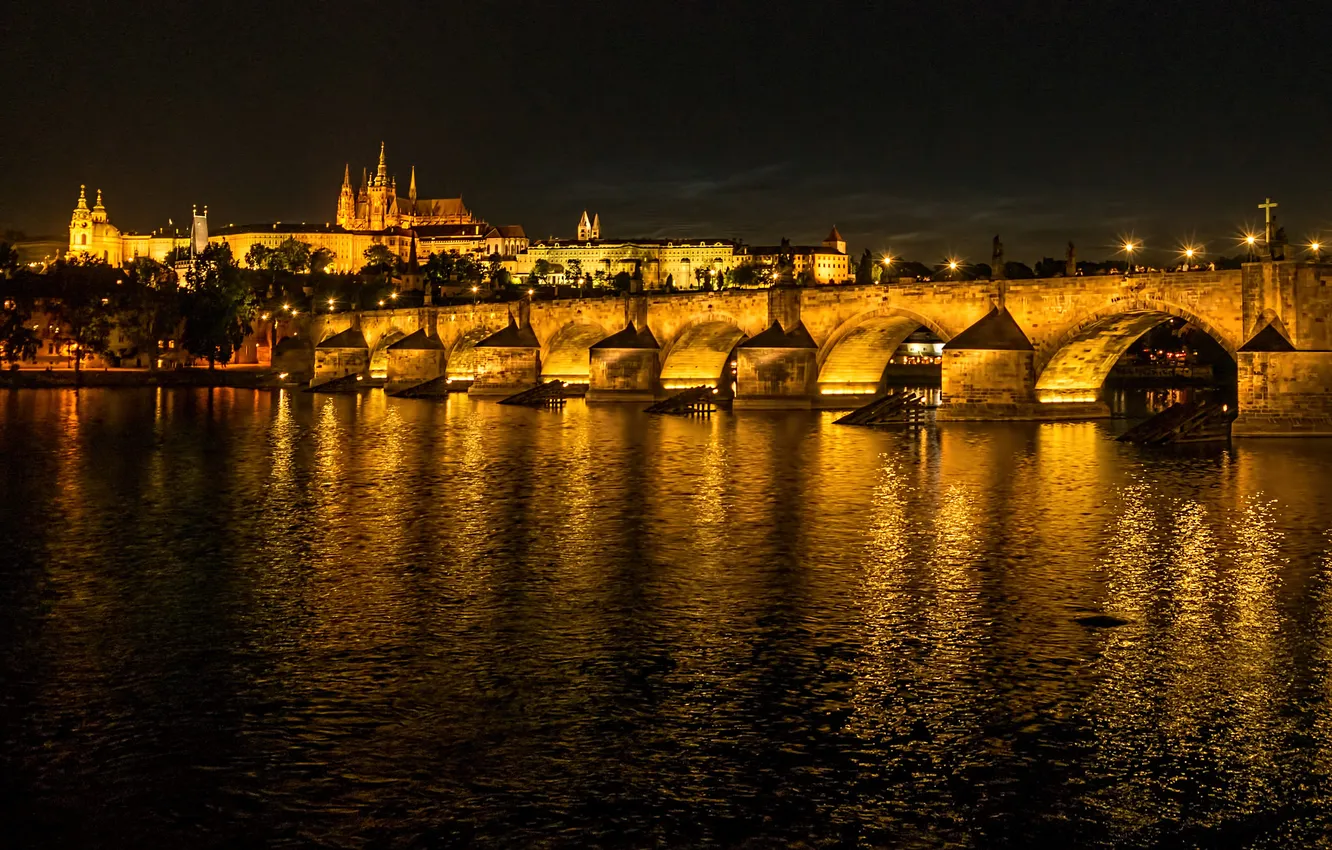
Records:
x=233, y=618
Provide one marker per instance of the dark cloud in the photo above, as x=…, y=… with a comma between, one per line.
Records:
x=922, y=127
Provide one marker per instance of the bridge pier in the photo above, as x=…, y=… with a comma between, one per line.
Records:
x=1282, y=391
x=340, y=356
x=414, y=359
x=989, y=373
x=778, y=368
x=508, y=361
x=624, y=366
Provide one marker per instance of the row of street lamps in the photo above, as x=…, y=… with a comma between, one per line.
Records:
x=1188, y=253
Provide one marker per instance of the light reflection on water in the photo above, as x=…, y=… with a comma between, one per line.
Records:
x=233, y=617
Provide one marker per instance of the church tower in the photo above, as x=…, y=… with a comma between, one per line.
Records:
x=91, y=231
x=835, y=241
x=588, y=230
x=346, y=200
x=596, y=226
x=80, y=225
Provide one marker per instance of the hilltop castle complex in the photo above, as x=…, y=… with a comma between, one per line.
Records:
x=414, y=228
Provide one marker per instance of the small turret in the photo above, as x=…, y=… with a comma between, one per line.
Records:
x=98, y=211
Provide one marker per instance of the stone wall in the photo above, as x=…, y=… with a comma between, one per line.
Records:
x=623, y=374
x=504, y=371
x=1284, y=393
x=776, y=377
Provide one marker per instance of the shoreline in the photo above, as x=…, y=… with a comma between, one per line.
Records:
x=247, y=378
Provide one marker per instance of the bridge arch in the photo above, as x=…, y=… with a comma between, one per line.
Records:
x=462, y=360
x=566, y=354
x=699, y=352
x=1074, y=366
x=379, y=352
x=856, y=354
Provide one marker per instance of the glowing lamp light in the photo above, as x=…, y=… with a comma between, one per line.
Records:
x=1250, y=240
x=330, y=303
x=282, y=376
x=1189, y=252
x=952, y=265
x=474, y=289
x=394, y=296
x=531, y=292
x=381, y=302
x=286, y=307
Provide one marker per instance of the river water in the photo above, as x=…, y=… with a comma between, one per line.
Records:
x=235, y=618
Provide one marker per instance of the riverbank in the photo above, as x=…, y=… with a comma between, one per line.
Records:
x=244, y=377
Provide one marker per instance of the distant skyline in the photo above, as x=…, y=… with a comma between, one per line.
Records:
x=923, y=131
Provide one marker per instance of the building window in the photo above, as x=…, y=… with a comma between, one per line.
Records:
x=83, y=239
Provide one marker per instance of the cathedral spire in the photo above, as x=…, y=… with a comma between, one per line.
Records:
x=83, y=199
x=346, y=176
x=411, y=192
x=382, y=173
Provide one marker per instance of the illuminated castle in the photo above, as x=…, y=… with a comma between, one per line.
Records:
x=376, y=206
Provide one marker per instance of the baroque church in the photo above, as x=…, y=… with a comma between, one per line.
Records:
x=377, y=206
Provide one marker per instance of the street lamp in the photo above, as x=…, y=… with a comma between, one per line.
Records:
x=1129, y=247
x=1250, y=241
x=475, y=298
x=1316, y=249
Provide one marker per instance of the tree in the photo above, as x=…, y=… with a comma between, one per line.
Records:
x=83, y=288
x=148, y=306
x=541, y=268
x=380, y=260
x=466, y=269
x=9, y=260
x=440, y=267
x=865, y=268
x=218, y=306
x=748, y=274
x=259, y=257
x=622, y=281
x=574, y=273
x=292, y=255
x=18, y=340
x=320, y=260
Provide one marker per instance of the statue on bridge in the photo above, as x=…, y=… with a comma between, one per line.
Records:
x=997, y=269
x=1277, y=248
x=1070, y=262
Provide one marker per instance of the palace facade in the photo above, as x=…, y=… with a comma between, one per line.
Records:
x=411, y=227
x=676, y=262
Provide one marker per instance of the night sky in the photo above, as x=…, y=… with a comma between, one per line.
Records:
x=924, y=127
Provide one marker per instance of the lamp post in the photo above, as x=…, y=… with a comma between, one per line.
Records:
x=475, y=298
x=1249, y=242
x=1316, y=248
x=1129, y=247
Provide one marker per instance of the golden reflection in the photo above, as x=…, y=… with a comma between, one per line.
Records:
x=1191, y=662
x=886, y=601
x=1257, y=685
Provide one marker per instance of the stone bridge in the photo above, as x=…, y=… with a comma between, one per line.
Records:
x=1028, y=349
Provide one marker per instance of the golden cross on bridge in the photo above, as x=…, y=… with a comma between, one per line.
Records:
x=1268, y=206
